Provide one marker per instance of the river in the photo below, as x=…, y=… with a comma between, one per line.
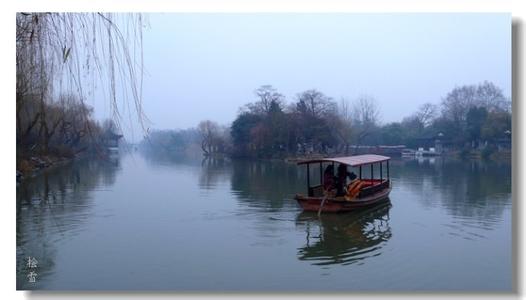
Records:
x=146, y=221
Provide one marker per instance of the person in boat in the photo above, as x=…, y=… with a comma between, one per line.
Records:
x=341, y=180
x=328, y=178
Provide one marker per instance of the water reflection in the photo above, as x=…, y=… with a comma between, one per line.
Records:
x=474, y=189
x=213, y=172
x=167, y=159
x=52, y=207
x=344, y=239
x=265, y=183
x=244, y=211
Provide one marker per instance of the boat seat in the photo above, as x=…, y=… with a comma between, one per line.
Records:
x=354, y=188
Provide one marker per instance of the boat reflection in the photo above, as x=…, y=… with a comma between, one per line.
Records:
x=344, y=239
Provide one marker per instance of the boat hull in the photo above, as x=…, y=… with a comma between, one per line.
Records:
x=336, y=205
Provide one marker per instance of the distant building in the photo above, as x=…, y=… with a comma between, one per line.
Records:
x=439, y=142
x=111, y=139
x=395, y=150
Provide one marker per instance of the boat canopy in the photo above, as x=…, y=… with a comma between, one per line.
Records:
x=353, y=161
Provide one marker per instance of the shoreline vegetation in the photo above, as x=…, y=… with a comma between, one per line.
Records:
x=54, y=124
x=470, y=121
x=75, y=134
x=60, y=59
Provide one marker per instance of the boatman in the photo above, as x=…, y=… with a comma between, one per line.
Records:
x=341, y=179
x=328, y=178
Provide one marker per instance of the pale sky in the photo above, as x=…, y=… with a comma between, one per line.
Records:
x=205, y=66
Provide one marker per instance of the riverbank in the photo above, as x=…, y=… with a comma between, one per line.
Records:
x=33, y=165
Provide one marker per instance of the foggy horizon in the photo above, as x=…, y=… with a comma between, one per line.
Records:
x=207, y=65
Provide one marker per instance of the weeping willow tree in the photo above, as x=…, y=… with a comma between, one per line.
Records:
x=64, y=59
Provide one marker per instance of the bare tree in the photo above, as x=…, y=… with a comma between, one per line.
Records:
x=366, y=117
x=491, y=97
x=267, y=98
x=59, y=52
x=461, y=99
x=76, y=125
x=27, y=118
x=209, y=132
x=315, y=104
x=342, y=123
x=426, y=113
x=457, y=103
x=53, y=118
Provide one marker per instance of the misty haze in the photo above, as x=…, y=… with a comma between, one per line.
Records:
x=264, y=152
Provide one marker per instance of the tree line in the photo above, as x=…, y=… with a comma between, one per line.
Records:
x=61, y=128
x=313, y=122
x=467, y=117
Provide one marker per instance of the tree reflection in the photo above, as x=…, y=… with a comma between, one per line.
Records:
x=159, y=158
x=467, y=188
x=344, y=239
x=52, y=206
x=266, y=183
x=214, y=171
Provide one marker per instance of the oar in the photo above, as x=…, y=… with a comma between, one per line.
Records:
x=322, y=202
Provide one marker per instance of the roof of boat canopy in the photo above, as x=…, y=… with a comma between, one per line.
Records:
x=353, y=161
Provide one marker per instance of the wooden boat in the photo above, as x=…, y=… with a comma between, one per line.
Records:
x=359, y=193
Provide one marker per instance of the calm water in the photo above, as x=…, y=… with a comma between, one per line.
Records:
x=146, y=222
